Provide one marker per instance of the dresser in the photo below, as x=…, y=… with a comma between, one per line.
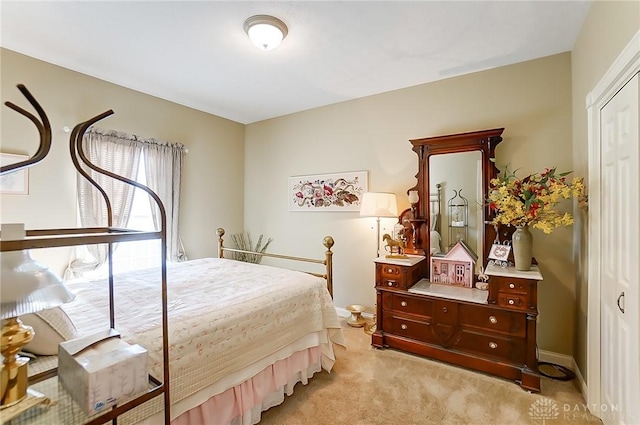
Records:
x=491, y=331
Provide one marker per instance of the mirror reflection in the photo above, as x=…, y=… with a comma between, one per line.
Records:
x=456, y=201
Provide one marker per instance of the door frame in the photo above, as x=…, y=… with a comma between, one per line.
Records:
x=621, y=71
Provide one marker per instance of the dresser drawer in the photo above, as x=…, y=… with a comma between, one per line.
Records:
x=391, y=271
x=407, y=304
x=488, y=345
x=518, y=302
x=395, y=276
x=493, y=320
x=408, y=327
x=392, y=276
x=511, y=285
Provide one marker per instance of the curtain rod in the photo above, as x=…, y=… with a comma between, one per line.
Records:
x=67, y=129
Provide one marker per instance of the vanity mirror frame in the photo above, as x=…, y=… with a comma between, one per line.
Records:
x=417, y=220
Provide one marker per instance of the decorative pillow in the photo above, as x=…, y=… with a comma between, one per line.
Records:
x=51, y=327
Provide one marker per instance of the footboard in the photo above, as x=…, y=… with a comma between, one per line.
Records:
x=327, y=261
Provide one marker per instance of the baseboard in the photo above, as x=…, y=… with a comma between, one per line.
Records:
x=557, y=358
x=568, y=362
x=582, y=385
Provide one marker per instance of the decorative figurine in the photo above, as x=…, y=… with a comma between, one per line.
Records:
x=395, y=247
x=483, y=280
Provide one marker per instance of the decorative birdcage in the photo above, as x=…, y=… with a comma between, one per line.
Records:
x=458, y=209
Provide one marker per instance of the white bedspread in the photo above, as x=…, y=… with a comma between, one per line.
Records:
x=224, y=315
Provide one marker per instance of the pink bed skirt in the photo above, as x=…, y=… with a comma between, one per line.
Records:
x=244, y=403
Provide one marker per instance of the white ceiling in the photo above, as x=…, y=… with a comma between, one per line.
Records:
x=197, y=54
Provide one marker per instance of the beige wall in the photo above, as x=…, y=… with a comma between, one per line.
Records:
x=213, y=169
x=532, y=100
x=608, y=28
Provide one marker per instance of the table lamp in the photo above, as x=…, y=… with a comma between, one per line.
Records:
x=26, y=286
x=378, y=204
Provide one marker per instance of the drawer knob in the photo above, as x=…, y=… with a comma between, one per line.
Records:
x=511, y=285
x=444, y=309
x=390, y=283
x=512, y=302
x=389, y=270
x=403, y=303
x=403, y=326
x=493, y=345
x=493, y=319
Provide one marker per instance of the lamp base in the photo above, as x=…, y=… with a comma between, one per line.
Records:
x=32, y=399
x=15, y=380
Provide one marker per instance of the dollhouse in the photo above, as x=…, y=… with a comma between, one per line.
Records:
x=456, y=267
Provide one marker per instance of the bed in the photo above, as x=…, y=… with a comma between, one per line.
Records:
x=240, y=335
x=269, y=328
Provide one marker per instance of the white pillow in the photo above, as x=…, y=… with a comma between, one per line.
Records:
x=51, y=327
x=434, y=221
x=434, y=241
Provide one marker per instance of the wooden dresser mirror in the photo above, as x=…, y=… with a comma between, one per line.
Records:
x=453, y=177
x=491, y=329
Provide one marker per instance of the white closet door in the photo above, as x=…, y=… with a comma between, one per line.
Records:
x=620, y=270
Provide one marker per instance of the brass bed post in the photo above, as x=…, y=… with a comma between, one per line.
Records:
x=328, y=262
x=220, y=233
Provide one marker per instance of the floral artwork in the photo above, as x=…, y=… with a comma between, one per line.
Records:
x=530, y=201
x=327, y=192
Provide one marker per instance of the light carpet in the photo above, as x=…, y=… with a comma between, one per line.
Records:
x=383, y=387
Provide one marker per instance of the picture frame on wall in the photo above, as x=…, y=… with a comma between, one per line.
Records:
x=327, y=192
x=16, y=182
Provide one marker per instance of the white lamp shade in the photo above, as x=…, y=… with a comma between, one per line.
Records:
x=378, y=204
x=266, y=32
x=413, y=197
x=27, y=286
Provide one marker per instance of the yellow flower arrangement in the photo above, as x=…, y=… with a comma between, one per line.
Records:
x=530, y=201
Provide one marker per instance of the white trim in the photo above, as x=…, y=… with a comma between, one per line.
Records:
x=568, y=362
x=623, y=68
x=557, y=358
x=582, y=385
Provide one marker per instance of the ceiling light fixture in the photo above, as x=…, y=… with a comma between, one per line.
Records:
x=265, y=31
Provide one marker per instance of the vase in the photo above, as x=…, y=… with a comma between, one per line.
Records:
x=522, y=242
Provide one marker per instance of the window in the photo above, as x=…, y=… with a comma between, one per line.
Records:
x=138, y=254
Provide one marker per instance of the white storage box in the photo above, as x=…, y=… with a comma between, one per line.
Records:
x=100, y=369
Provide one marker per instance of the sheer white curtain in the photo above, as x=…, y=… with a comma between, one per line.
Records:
x=120, y=154
x=163, y=167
